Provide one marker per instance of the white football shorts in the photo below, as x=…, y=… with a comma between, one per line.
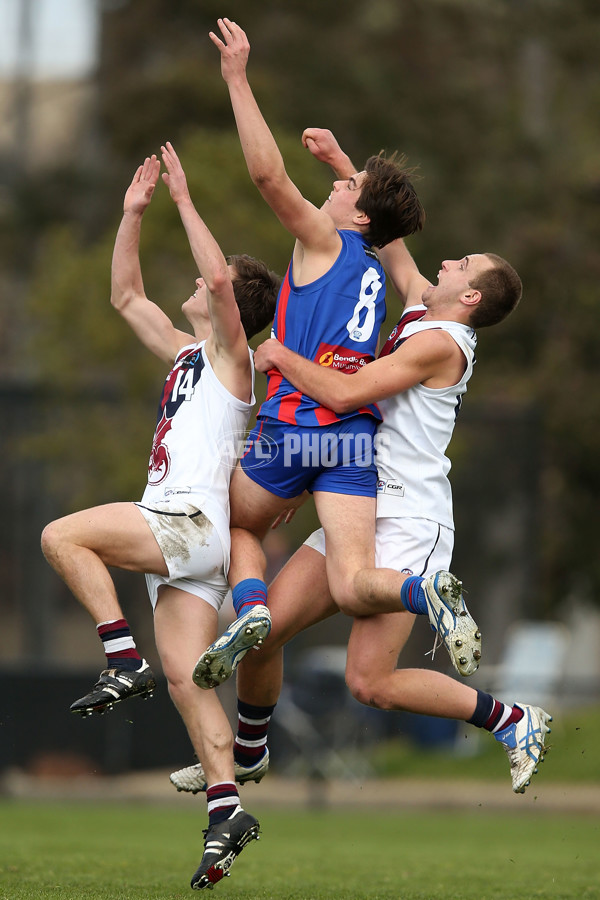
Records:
x=192, y=551
x=411, y=546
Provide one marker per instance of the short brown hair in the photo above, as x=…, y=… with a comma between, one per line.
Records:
x=390, y=200
x=500, y=288
x=255, y=288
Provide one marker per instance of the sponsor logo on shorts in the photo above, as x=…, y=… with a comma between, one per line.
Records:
x=390, y=487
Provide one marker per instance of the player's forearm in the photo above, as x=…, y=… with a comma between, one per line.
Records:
x=331, y=389
x=402, y=270
x=343, y=166
x=126, y=273
x=207, y=254
x=262, y=155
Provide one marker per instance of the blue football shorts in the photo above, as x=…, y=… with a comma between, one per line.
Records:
x=290, y=459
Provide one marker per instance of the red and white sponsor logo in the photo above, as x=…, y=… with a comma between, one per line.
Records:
x=340, y=358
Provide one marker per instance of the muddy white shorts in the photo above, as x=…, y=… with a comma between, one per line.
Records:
x=411, y=546
x=191, y=548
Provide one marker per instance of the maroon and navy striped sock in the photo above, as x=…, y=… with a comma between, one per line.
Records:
x=223, y=799
x=251, y=738
x=119, y=645
x=492, y=714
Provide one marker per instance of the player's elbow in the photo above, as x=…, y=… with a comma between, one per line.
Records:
x=216, y=282
x=270, y=181
x=261, y=178
x=344, y=403
x=119, y=299
x=124, y=300
x=115, y=301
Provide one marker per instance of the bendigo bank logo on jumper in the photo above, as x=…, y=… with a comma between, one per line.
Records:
x=341, y=358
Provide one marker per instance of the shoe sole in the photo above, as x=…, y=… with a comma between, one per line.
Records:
x=108, y=705
x=464, y=645
x=219, y=662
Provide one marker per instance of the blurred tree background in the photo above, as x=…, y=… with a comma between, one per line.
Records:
x=497, y=103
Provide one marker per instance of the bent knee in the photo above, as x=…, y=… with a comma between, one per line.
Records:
x=346, y=603
x=180, y=685
x=51, y=538
x=368, y=690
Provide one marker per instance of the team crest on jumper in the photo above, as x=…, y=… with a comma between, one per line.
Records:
x=179, y=388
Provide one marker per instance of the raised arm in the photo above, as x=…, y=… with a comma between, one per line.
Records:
x=227, y=345
x=313, y=228
x=401, y=268
x=397, y=261
x=228, y=333
x=430, y=358
x=152, y=326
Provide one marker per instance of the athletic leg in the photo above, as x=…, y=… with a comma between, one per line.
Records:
x=80, y=547
x=423, y=588
x=299, y=597
x=184, y=625
x=253, y=509
x=373, y=678
x=348, y=521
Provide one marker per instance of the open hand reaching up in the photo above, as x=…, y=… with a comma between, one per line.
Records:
x=174, y=177
x=234, y=49
x=139, y=193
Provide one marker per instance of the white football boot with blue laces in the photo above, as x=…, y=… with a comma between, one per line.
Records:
x=452, y=622
x=220, y=660
x=524, y=744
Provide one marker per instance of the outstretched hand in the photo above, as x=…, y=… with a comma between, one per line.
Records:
x=265, y=355
x=234, y=48
x=139, y=193
x=174, y=177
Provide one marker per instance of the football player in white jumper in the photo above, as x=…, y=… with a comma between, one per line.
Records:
x=179, y=533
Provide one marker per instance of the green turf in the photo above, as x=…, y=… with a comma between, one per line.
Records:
x=149, y=852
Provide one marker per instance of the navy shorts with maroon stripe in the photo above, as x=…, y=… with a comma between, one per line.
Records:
x=290, y=459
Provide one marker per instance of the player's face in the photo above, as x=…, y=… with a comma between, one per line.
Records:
x=456, y=275
x=197, y=302
x=341, y=203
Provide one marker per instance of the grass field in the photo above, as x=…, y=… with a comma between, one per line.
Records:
x=149, y=852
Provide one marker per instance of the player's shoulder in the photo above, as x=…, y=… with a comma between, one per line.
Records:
x=434, y=338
